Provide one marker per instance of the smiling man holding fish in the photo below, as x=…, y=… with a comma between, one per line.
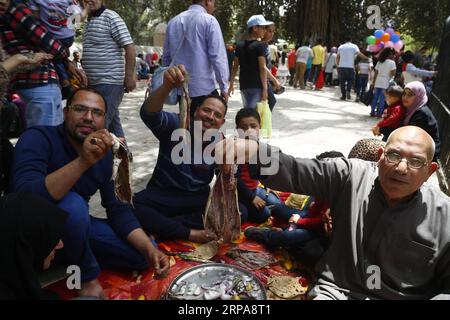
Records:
x=67, y=165
x=172, y=205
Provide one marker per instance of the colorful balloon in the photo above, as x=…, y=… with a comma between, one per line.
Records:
x=389, y=44
x=378, y=41
x=390, y=31
x=374, y=48
x=378, y=34
x=386, y=37
x=371, y=40
x=395, y=38
x=399, y=45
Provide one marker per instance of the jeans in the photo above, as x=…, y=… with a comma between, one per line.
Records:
x=363, y=79
x=287, y=238
x=59, y=64
x=91, y=243
x=113, y=94
x=271, y=96
x=256, y=215
x=346, y=78
x=43, y=105
x=251, y=97
x=378, y=102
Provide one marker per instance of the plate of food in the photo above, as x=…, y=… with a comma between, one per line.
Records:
x=216, y=282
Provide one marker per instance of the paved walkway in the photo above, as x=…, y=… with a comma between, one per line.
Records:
x=305, y=124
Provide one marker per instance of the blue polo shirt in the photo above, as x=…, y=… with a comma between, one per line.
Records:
x=167, y=176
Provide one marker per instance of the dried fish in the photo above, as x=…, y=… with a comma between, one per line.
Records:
x=250, y=259
x=122, y=171
x=222, y=216
x=185, y=109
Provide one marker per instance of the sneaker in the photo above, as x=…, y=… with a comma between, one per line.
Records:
x=257, y=234
x=349, y=97
x=343, y=98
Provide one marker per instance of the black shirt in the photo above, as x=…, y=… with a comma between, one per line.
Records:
x=248, y=52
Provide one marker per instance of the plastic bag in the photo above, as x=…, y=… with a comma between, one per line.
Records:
x=320, y=81
x=266, y=119
x=157, y=81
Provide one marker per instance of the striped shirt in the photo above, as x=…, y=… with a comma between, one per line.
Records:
x=104, y=37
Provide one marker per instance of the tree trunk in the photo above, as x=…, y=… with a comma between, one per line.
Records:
x=318, y=19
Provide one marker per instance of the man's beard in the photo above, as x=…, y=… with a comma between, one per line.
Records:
x=78, y=136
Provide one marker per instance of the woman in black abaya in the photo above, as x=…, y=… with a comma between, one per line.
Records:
x=30, y=233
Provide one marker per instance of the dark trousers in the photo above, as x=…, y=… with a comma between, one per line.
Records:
x=291, y=79
x=363, y=79
x=328, y=79
x=197, y=102
x=316, y=69
x=271, y=96
x=92, y=244
x=170, y=215
x=346, y=78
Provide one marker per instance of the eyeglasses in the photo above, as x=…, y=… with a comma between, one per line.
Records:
x=413, y=163
x=83, y=110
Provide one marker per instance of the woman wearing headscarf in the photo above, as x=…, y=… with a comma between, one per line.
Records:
x=418, y=114
x=30, y=233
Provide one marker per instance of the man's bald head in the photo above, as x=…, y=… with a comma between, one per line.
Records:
x=416, y=135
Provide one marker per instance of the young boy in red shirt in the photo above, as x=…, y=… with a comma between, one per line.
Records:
x=394, y=114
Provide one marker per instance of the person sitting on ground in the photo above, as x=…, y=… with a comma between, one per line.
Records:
x=67, y=165
x=393, y=115
x=385, y=217
x=256, y=199
x=142, y=68
x=418, y=114
x=172, y=205
x=299, y=227
x=30, y=233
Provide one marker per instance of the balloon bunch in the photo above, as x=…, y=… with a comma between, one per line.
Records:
x=385, y=39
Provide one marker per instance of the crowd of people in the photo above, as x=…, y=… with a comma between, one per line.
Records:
x=360, y=213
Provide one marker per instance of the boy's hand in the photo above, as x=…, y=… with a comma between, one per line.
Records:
x=376, y=131
x=259, y=203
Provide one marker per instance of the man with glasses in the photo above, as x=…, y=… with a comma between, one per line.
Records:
x=67, y=165
x=391, y=229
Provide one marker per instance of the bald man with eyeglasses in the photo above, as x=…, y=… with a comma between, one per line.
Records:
x=391, y=229
x=67, y=165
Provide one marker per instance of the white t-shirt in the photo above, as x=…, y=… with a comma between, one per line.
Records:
x=347, y=54
x=303, y=54
x=384, y=73
x=365, y=66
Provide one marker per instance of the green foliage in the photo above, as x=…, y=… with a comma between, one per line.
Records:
x=423, y=20
x=420, y=20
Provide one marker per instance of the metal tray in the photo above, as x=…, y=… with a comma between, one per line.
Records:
x=210, y=274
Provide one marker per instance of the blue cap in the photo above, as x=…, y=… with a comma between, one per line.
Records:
x=258, y=20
